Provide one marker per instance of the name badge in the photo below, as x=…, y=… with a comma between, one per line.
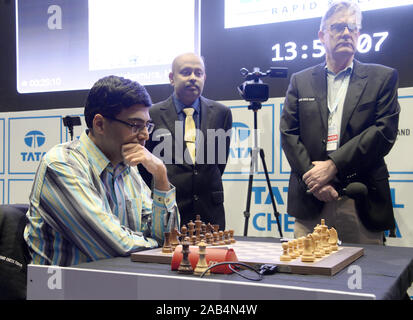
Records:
x=332, y=138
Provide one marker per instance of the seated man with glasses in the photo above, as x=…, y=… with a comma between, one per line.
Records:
x=339, y=121
x=88, y=200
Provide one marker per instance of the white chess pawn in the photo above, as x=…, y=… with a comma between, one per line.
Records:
x=285, y=256
x=291, y=249
x=296, y=252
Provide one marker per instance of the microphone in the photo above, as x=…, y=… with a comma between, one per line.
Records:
x=354, y=190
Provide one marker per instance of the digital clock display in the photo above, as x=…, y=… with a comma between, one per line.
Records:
x=291, y=50
x=285, y=34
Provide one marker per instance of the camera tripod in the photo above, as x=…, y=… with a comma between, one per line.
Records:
x=255, y=106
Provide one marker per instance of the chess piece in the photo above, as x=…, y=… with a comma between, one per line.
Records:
x=295, y=246
x=198, y=224
x=311, y=237
x=216, y=239
x=231, y=236
x=208, y=237
x=291, y=252
x=174, y=238
x=285, y=257
x=333, y=239
x=167, y=244
x=191, y=228
x=202, y=265
x=221, y=238
x=216, y=227
x=184, y=232
x=324, y=239
x=226, y=237
x=209, y=229
x=322, y=225
x=193, y=240
x=308, y=255
x=300, y=242
x=185, y=266
x=317, y=229
x=318, y=252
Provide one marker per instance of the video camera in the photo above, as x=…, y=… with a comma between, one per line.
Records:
x=253, y=89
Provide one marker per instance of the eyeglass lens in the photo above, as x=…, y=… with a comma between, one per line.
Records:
x=340, y=27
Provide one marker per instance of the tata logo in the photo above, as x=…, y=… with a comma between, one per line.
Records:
x=240, y=131
x=240, y=146
x=33, y=139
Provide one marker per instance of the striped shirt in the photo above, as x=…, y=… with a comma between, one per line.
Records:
x=82, y=209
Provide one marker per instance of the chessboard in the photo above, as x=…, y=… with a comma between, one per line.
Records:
x=317, y=253
x=257, y=253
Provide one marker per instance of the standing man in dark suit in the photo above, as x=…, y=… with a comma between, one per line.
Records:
x=340, y=119
x=195, y=159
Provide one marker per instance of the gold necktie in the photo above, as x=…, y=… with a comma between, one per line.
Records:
x=190, y=132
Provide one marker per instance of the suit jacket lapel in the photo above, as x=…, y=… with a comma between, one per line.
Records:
x=206, y=118
x=356, y=86
x=320, y=92
x=170, y=117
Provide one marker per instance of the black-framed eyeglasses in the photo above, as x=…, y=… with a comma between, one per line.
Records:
x=337, y=28
x=136, y=128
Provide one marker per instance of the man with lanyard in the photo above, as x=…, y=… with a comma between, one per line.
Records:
x=338, y=122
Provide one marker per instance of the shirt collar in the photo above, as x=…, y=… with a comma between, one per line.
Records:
x=345, y=71
x=179, y=106
x=95, y=156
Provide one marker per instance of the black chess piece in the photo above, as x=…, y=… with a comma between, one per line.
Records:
x=185, y=266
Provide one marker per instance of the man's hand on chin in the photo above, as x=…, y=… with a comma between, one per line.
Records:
x=136, y=153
